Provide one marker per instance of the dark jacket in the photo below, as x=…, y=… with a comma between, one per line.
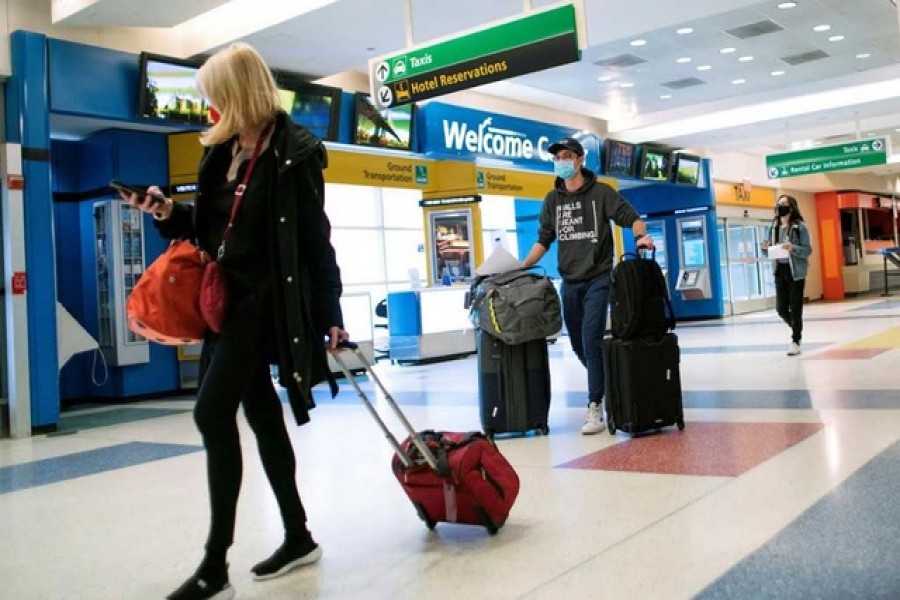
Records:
x=307, y=288
x=579, y=221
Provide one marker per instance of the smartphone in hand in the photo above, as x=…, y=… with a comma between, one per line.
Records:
x=128, y=188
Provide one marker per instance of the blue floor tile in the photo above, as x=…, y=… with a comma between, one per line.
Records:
x=737, y=349
x=115, y=416
x=845, y=546
x=81, y=464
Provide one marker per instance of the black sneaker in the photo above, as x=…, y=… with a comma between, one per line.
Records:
x=286, y=559
x=197, y=588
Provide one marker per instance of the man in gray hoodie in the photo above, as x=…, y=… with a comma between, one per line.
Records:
x=576, y=214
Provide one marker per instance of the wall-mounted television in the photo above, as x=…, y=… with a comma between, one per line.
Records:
x=169, y=90
x=316, y=107
x=655, y=163
x=685, y=169
x=618, y=158
x=389, y=128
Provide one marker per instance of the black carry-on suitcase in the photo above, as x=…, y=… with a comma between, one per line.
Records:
x=513, y=385
x=643, y=384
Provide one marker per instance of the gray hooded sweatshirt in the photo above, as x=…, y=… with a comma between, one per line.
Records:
x=579, y=221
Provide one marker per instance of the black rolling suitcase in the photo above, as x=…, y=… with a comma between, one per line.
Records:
x=643, y=384
x=513, y=385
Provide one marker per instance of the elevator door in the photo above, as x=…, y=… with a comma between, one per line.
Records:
x=745, y=271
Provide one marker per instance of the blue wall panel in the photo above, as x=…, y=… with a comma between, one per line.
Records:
x=110, y=89
x=527, y=219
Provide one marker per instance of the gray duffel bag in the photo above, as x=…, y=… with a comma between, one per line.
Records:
x=515, y=307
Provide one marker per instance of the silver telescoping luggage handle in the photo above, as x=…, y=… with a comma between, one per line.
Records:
x=405, y=458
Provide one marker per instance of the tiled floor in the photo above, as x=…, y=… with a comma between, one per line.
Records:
x=784, y=484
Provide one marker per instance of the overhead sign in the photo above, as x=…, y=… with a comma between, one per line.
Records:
x=540, y=40
x=456, y=132
x=865, y=153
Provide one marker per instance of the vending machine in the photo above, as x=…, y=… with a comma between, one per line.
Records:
x=119, y=256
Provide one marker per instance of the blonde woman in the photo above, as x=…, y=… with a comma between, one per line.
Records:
x=284, y=288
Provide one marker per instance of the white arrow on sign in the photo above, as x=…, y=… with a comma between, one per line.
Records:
x=385, y=96
x=382, y=71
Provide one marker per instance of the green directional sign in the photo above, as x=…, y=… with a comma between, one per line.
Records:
x=865, y=153
x=537, y=41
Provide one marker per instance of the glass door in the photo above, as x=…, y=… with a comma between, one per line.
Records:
x=747, y=273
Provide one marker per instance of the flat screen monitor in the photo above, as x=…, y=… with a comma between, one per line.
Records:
x=389, y=128
x=655, y=164
x=618, y=158
x=686, y=170
x=169, y=90
x=693, y=242
x=316, y=107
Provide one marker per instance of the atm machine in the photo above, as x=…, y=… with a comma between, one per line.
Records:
x=693, y=248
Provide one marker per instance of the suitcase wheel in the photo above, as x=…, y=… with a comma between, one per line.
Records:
x=543, y=429
x=429, y=522
x=612, y=428
x=680, y=424
x=486, y=521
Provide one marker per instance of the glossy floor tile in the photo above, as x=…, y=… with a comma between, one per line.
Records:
x=782, y=485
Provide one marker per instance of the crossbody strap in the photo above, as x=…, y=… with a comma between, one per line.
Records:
x=241, y=188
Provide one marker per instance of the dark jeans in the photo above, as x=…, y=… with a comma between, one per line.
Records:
x=235, y=371
x=585, y=306
x=789, y=300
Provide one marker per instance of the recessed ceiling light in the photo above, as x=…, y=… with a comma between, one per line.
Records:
x=704, y=68
x=745, y=58
x=836, y=38
x=639, y=42
x=685, y=31
x=626, y=84
x=604, y=78
x=669, y=96
x=897, y=130
x=822, y=28
x=786, y=5
x=683, y=60
x=727, y=50
x=777, y=73
x=864, y=55
x=739, y=81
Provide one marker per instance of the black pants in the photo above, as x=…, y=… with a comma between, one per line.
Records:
x=789, y=300
x=235, y=370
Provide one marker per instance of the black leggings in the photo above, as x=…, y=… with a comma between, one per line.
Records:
x=789, y=300
x=235, y=371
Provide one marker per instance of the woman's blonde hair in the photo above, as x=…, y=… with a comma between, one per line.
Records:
x=239, y=84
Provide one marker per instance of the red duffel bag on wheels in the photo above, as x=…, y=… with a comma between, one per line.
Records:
x=449, y=477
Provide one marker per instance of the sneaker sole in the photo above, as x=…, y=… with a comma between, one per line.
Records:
x=306, y=559
x=593, y=431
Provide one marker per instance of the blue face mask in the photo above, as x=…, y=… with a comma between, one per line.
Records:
x=564, y=169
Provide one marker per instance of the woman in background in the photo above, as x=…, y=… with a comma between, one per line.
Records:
x=789, y=231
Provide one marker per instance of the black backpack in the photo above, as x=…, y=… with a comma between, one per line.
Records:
x=641, y=305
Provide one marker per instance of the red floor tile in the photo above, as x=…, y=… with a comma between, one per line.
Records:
x=849, y=354
x=710, y=449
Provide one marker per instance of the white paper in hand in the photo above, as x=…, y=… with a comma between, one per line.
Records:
x=500, y=261
x=776, y=252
